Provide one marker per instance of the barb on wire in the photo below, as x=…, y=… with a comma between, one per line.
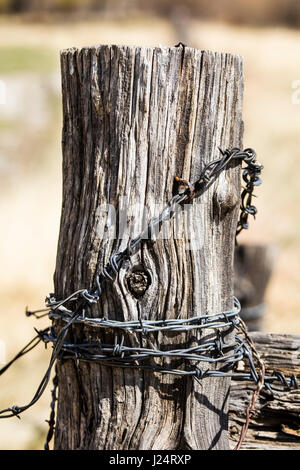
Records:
x=31, y=345
x=17, y=410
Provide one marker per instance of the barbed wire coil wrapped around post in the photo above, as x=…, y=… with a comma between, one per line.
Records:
x=219, y=351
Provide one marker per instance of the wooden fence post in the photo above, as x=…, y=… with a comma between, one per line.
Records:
x=133, y=118
x=253, y=265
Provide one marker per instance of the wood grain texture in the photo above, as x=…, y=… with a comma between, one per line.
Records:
x=133, y=119
x=275, y=424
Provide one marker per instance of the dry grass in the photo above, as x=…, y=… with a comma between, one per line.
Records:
x=30, y=163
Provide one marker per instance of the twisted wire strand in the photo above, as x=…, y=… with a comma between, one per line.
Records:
x=51, y=421
x=213, y=320
x=17, y=410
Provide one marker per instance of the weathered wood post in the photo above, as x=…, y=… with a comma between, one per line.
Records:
x=133, y=118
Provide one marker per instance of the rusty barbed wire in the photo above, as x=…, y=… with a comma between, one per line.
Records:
x=251, y=176
x=118, y=354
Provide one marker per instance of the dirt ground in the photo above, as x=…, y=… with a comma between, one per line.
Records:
x=30, y=166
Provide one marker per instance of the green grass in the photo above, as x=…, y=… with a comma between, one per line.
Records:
x=7, y=124
x=15, y=59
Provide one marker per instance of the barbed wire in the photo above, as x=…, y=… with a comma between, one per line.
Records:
x=216, y=351
x=251, y=176
x=51, y=421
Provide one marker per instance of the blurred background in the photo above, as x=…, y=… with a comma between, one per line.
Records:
x=265, y=32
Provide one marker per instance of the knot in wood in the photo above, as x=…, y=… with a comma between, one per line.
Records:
x=138, y=282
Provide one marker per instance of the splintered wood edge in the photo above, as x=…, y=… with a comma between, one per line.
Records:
x=72, y=50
